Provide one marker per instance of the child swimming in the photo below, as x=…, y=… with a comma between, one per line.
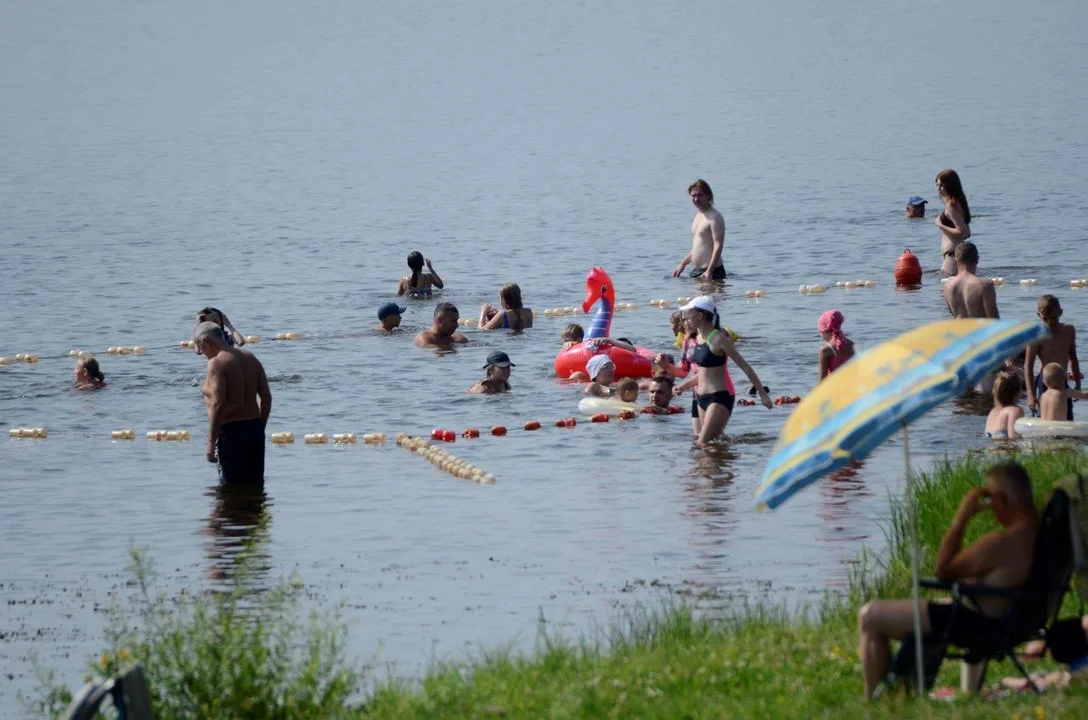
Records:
x=837, y=348
x=628, y=390
x=572, y=335
x=419, y=284
x=1001, y=422
x=601, y=371
x=1056, y=402
x=88, y=375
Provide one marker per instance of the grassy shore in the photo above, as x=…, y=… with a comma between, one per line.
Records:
x=758, y=662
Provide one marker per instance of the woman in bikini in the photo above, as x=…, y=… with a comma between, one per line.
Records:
x=419, y=284
x=955, y=221
x=514, y=316
x=837, y=348
x=716, y=394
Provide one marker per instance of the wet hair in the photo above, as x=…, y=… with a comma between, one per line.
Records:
x=93, y=371
x=704, y=186
x=953, y=188
x=415, y=262
x=205, y=314
x=445, y=307
x=1007, y=389
x=1054, y=374
x=510, y=294
x=967, y=252
x=627, y=385
x=573, y=332
x=1013, y=480
x=1049, y=305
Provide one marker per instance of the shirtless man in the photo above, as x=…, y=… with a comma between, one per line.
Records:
x=968, y=295
x=707, y=236
x=1060, y=347
x=236, y=423
x=443, y=331
x=660, y=395
x=1001, y=558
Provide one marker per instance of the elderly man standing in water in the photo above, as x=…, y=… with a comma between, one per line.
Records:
x=707, y=236
x=236, y=422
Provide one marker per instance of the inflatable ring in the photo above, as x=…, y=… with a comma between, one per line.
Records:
x=592, y=405
x=1034, y=427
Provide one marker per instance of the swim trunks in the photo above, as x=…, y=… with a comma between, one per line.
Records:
x=700, y=272
x=240, y=449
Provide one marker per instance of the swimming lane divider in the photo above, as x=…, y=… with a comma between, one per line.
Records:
x=445, y=460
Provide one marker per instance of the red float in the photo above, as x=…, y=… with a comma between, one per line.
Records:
x=498, y=430
x=532, y=425
x=599, y=418
x=908, y=271
x=627, y=415
x=471, y=433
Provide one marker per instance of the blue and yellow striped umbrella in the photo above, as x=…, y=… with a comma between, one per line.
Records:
x=874, y=395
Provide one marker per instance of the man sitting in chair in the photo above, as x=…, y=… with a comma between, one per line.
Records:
x=1002, y=558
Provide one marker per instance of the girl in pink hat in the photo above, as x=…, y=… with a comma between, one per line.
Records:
x=837, y=348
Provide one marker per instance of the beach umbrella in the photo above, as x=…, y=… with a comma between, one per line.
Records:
x=856, y=408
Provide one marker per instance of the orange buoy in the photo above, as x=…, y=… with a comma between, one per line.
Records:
x=532, y=425
x=599, y=417
x=498, y=430
x=908, y=271
x=675, y=409
x=566, y=422
x=437, y=433
x=471, y=433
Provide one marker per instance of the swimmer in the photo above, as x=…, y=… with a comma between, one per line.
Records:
x=916, y=207
x=1001, y=422
x=572, y=335
x=837, y=348
x=88, y=375
x=628, y=390
x=955, y=221
x=231, y=336
x=1059, y=347
x=1056, y=402
x=419, y=284
x=716, y=394
x=497, y=379
x=707, y=236
x=660, y=395
x=443, y=331
x=239, y=403
x=601, y=371
x=514, y=315
x=389, y=316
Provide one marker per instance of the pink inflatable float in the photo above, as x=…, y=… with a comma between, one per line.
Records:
x=601, y=292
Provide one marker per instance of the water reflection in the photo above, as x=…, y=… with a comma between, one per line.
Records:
x=238, y=528
x=839, y=492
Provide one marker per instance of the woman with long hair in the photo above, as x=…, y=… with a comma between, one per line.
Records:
x=716, y=394
x=513, y=316
x=419, y=283
x=954, y=221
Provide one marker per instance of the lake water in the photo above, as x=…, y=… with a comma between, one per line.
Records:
x=280, y=160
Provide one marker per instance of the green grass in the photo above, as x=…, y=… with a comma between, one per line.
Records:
x=211, y=659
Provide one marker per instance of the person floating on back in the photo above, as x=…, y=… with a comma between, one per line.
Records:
x=389, y=317
x=88, y=375
x=707, y=236
x=239, y=402
x=419, y=284
x=954, y=221
x=443, y=331
x=837, y=348
x=1059, y=347
x=497, y=379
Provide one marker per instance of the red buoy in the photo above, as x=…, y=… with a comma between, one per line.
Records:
x=498, y=430
x=532, y=425
x=599, y=417
x=471, y=433
x=908, y=271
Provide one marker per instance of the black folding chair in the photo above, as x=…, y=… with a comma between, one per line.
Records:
x=128, y=692
x=1035, y=607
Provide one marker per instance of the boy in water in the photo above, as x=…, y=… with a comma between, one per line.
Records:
x=572, y=335
x=628, y=390
x=389, y=316
x=1056, y=402
x=1060, y=348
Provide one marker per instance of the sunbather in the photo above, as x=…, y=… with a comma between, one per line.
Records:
x=1001, y=558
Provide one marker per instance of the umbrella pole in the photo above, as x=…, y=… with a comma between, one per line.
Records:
x=914, y=571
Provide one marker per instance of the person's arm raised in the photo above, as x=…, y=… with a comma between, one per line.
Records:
x=955, y=562
x=435, y=280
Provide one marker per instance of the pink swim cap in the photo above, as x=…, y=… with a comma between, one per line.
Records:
x=831, y=321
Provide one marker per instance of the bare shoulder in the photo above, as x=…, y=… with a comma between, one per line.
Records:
x=715, y=216
x=423, y=338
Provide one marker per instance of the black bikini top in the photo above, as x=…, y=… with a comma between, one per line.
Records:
x=704, y=357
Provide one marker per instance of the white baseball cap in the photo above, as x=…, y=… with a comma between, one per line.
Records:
x=703, y=302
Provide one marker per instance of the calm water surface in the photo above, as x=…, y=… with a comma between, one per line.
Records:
x=280, y=160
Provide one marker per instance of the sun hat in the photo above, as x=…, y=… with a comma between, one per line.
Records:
x=596, y=364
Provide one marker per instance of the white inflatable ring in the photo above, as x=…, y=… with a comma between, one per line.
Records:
x=1034, y=427
x=592, y=405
